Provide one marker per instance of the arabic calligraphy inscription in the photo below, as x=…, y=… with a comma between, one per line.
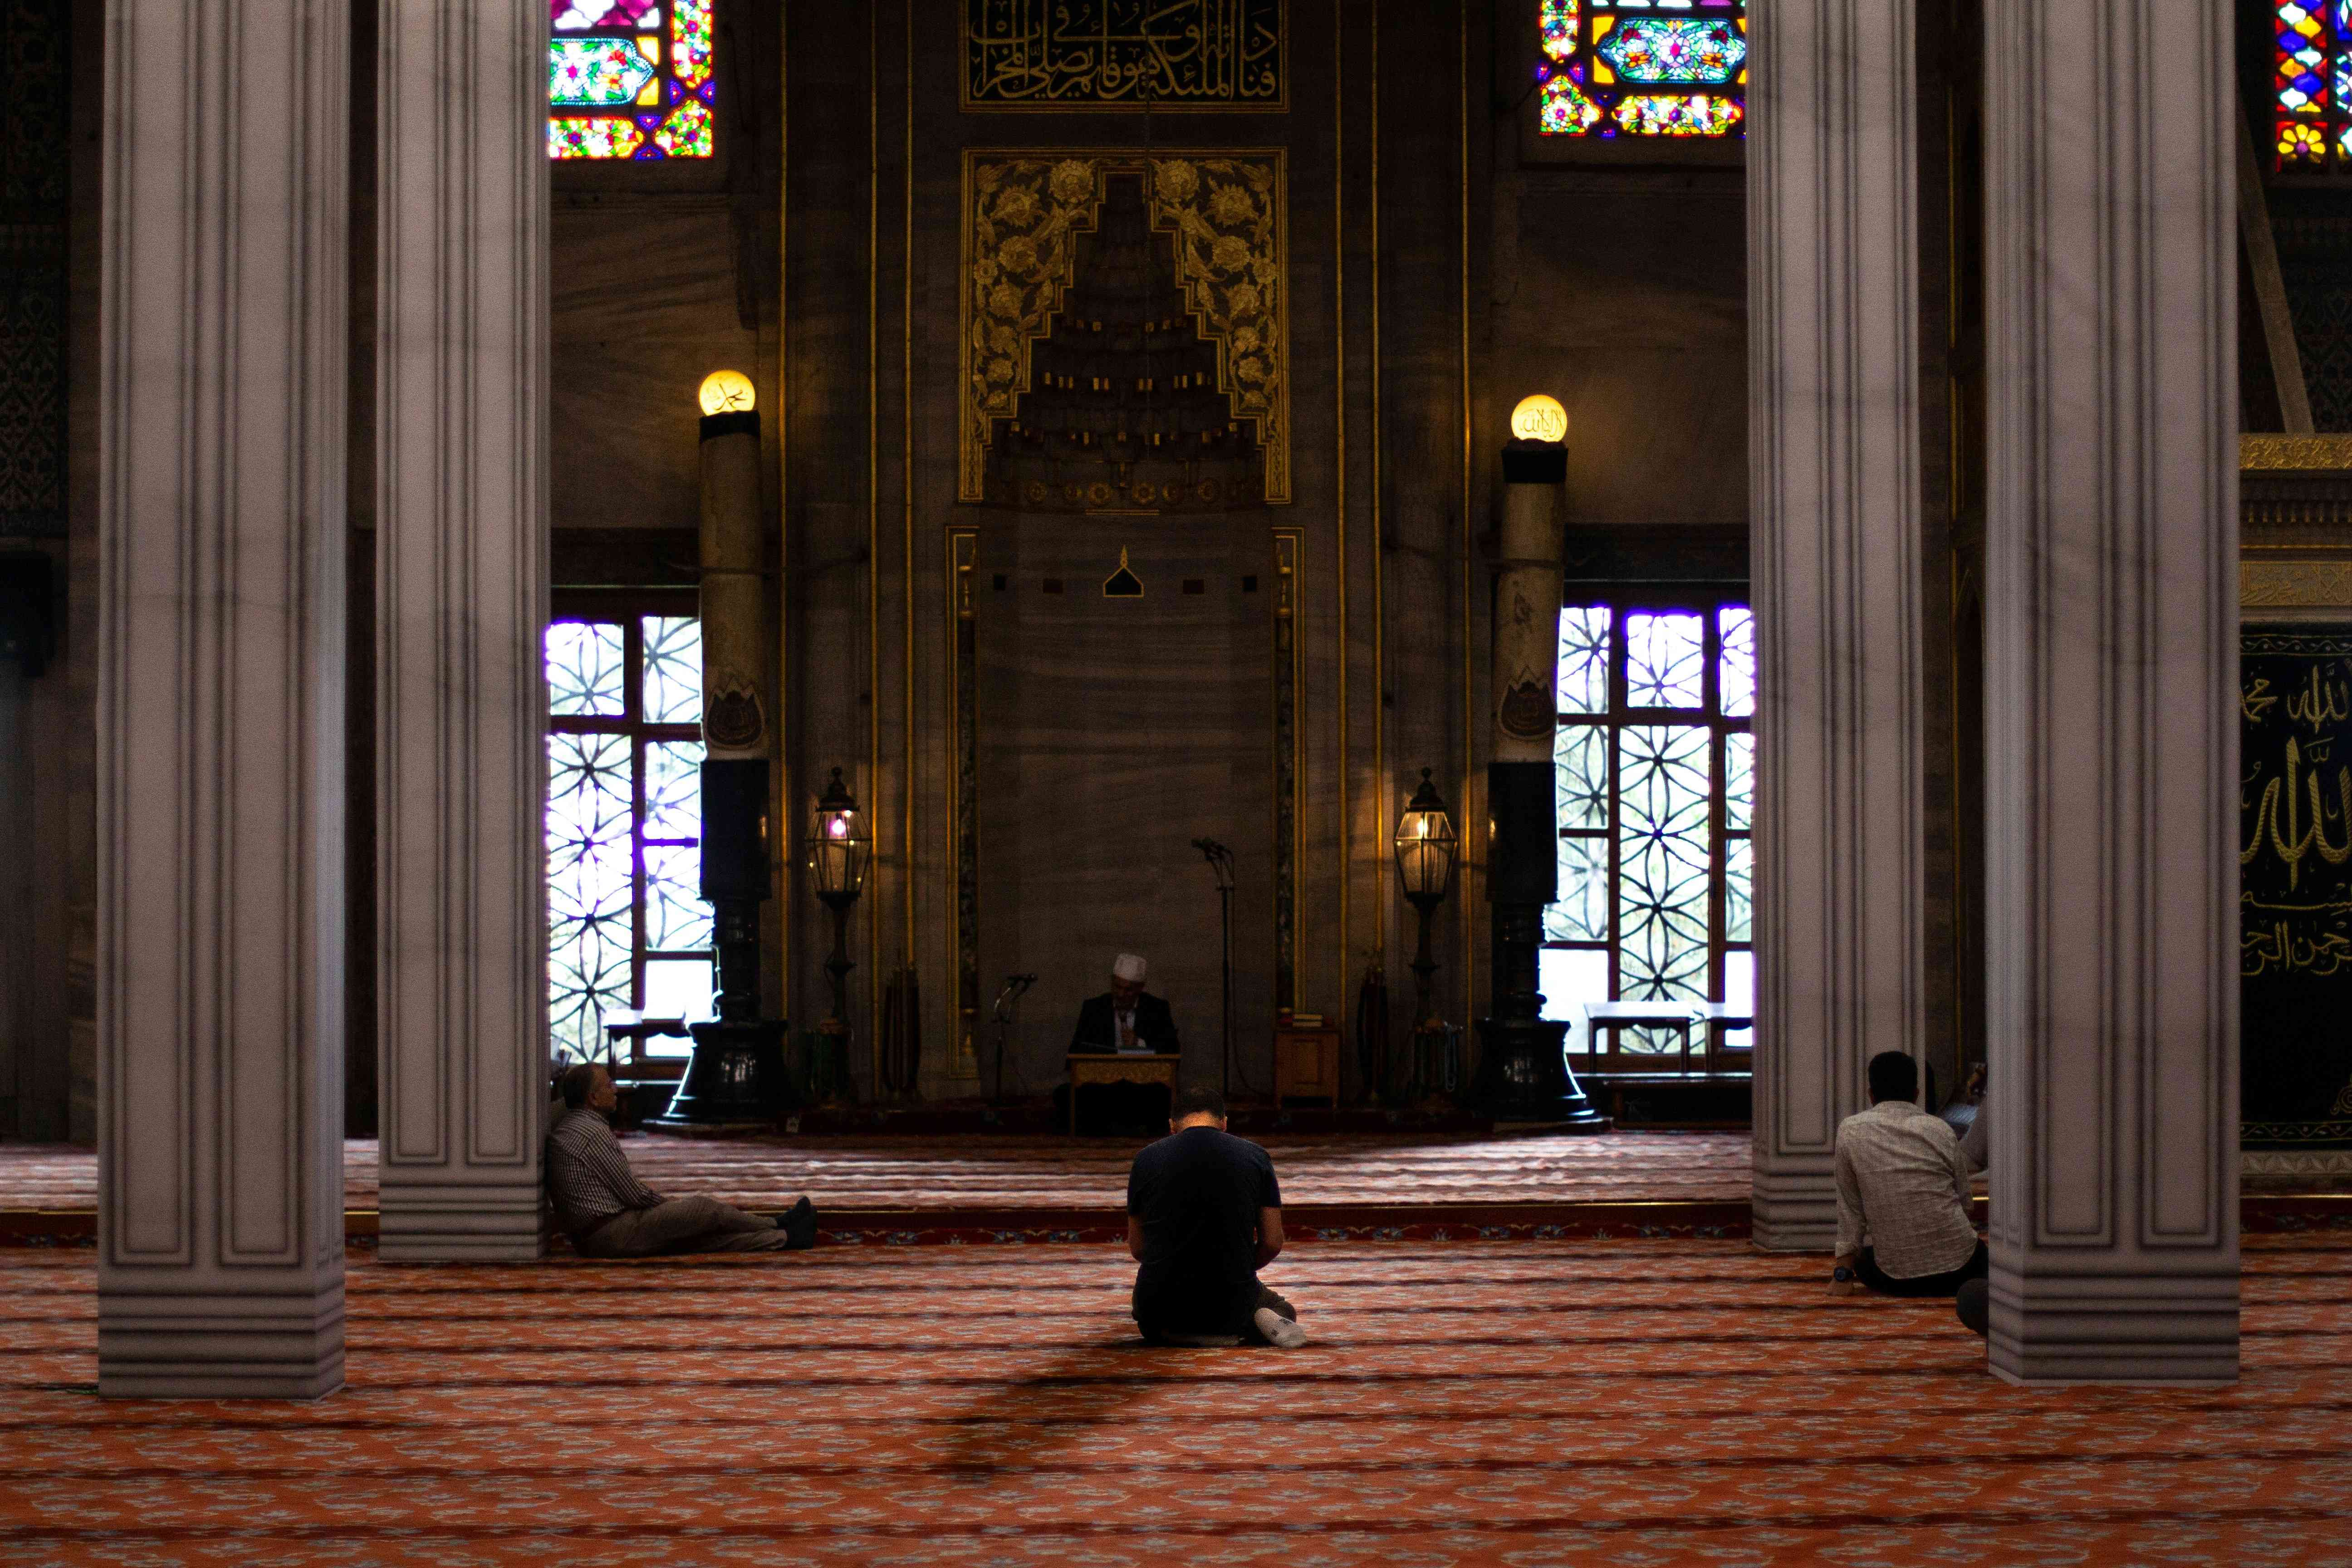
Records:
x=2294, y=857
x=1123, y=54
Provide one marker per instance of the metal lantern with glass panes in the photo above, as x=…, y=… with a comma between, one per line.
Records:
x=1425, y=846
x=837, y=851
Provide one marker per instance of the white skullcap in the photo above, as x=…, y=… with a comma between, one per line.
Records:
x=1130, y=966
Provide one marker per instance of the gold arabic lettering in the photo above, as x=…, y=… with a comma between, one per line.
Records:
x=2292, y=841
x=1123, y=54
x=2319, y=703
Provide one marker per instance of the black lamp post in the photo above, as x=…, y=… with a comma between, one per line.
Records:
x=838, y=847
x=1425, y=847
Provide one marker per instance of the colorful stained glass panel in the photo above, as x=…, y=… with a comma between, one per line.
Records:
x=580, y=15
x=2311, y=86
x=1602, y=59
x=597, y=73
x=631, y=79
x=1655, y=49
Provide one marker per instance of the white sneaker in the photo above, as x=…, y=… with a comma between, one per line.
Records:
x=1278, y=1330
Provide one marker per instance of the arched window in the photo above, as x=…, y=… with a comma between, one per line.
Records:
x=630, y=79
x=1615, y=68
x=1655, y=767
x=2311, y=88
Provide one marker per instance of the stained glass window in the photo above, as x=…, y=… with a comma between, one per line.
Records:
x=2311, y=86
x=1644, y=67
x=630, y=79
x=1655, y=767
x=627, y=926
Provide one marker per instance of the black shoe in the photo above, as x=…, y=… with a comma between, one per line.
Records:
x=800, y=1226
x=1974, y=1306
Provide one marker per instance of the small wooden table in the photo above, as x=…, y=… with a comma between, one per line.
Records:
x=1612, y=1016
x=1119, y=1067
x=1307, y=1065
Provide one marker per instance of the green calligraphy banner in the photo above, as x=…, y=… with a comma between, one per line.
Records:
x=2294, y=848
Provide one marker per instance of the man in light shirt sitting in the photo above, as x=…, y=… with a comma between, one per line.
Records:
x=1903, y=1199
x=608, y=1212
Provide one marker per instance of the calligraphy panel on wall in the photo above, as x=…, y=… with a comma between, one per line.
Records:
x=1098, y=55
x=2294, y=843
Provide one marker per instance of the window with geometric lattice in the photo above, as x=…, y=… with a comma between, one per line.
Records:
x=627, y=926
x=1654, y=768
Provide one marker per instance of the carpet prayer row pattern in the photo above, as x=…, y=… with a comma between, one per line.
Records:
x=1004, y=1172
x=1522, y=1403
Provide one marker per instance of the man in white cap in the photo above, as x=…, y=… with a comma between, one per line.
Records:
x=1125, y=1017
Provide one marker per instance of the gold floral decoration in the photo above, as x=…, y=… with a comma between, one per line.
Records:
x=1022, y=212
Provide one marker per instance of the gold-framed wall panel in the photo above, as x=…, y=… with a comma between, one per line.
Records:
x=1019, y=258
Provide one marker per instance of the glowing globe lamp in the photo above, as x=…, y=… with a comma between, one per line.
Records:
x=1537, y=418
x=730, y=391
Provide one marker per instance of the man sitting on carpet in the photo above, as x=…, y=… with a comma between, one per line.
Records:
x=1203, y=1216
x=1902, y=1184
x=608, y=1212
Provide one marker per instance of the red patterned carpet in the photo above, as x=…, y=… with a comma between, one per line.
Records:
x=1528, y=1403
x=998, y=1170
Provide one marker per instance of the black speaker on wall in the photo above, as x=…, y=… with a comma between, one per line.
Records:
x=735, y=828
x=28, y=627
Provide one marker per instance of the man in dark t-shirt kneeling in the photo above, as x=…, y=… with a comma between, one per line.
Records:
x=1203, y=1216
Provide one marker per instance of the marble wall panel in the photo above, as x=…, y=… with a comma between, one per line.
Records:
x=1113, y=732
x=643, y=306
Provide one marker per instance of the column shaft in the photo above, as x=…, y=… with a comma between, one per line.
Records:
x=2111, y=690
x=462, y=576
x=1834, y=476
x=220, y=957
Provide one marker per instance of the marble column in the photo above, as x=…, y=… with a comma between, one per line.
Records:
x=461, y=573
x=2111, y=742
x=1833, y=453
x=220, y=951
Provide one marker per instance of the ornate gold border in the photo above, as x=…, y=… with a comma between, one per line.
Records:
x=1278, y=104
x=1022, y=211
x=2295, y=454
x=963, y=727
x=2295, y=584
x=1289, y=755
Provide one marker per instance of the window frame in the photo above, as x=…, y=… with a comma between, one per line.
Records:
x=1705, y=1052
x=628, y=609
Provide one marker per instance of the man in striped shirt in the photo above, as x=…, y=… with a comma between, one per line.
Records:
x=608, y=1212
